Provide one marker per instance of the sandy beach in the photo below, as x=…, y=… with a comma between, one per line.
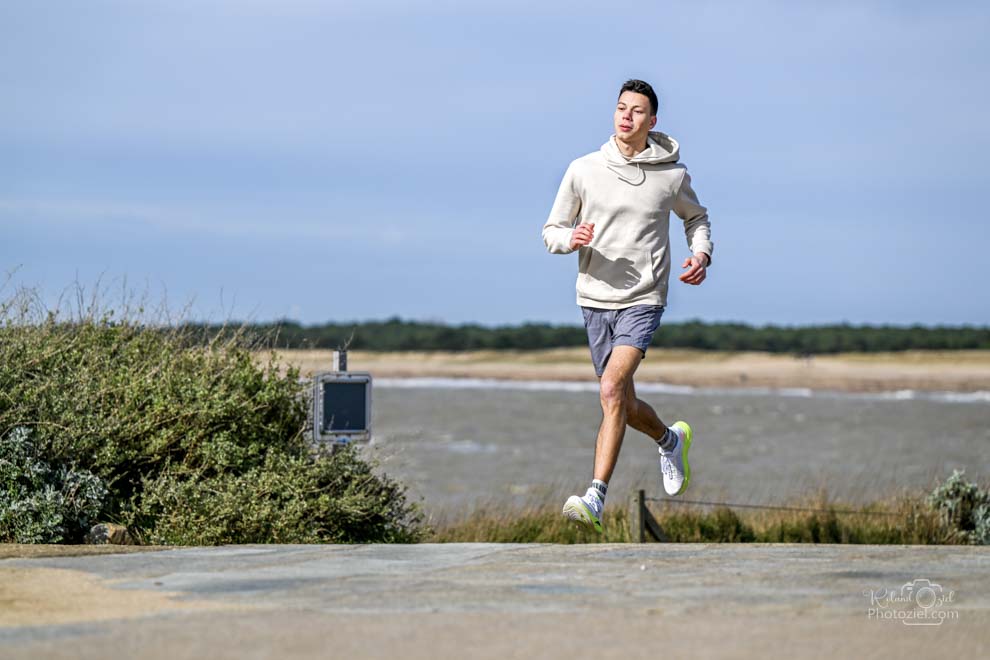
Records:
x=954, y=371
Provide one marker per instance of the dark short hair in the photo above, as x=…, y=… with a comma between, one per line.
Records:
x=643, y=88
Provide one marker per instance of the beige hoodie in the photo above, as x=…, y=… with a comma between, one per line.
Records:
x=629, y=200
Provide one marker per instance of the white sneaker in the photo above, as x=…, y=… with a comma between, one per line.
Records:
x=586, y=510
x=674, y=463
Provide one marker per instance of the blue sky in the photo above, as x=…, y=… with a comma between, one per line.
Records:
x=339, y=161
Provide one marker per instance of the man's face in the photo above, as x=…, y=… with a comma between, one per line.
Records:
x=632, y=117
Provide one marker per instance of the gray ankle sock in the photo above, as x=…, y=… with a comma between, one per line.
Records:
x=668, y=441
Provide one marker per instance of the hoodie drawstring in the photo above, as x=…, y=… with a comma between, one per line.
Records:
x=619, y=173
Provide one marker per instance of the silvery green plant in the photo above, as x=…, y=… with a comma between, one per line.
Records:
x=42, y=503
x=964, y=507
x=981, y=531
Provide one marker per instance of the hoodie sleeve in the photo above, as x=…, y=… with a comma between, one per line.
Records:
x=695, y=216
x=566, y=207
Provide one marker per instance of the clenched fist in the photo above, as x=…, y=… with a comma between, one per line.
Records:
x=582, y=235
x=696, y=266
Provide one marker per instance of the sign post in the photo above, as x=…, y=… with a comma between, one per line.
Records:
x=341, y=404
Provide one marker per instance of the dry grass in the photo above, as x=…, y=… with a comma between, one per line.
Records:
x=897, y=520
x=531, y=523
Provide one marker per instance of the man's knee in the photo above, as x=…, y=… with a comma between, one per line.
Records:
x=614, y=393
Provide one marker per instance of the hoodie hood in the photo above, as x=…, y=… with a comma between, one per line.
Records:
x=660, y=148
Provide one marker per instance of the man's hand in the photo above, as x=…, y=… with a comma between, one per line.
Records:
x=582, y=235
x=696, y=269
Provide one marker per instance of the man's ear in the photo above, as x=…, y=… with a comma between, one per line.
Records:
x=653, y=121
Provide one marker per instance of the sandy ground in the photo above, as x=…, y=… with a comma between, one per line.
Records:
x=63, y=596
x=59, y=596
x=957, y=371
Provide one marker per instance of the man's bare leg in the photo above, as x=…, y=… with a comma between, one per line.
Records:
x=674, y=443
x=615, y=383
x=641, y=415
x=620, y=407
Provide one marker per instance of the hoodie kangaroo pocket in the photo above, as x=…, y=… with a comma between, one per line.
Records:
x=615, y=274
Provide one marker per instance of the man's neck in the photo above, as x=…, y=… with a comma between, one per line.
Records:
x=628, y=149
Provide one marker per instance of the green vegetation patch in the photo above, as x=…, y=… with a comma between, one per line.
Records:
x=183, y=442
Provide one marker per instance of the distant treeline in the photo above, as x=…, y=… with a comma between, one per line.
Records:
x=398, y=335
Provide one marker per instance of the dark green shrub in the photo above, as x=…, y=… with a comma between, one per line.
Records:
x=287, y=499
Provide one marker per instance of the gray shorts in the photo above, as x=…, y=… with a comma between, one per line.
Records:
x=632, y=326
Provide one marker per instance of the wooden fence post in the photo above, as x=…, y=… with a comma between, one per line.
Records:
x=642, y=521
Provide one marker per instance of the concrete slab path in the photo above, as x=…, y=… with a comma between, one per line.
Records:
x=501, y=601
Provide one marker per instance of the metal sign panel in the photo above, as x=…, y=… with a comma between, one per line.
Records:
x=342, y=407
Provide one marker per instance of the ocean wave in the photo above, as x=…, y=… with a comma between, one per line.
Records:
x=980, y=396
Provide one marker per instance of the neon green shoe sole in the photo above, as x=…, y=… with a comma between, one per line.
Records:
x=575, y=509
x=687, y=434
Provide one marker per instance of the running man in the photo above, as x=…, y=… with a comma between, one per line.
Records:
x=613, y=207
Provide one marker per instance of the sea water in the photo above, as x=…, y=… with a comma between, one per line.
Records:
x=457, y=443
